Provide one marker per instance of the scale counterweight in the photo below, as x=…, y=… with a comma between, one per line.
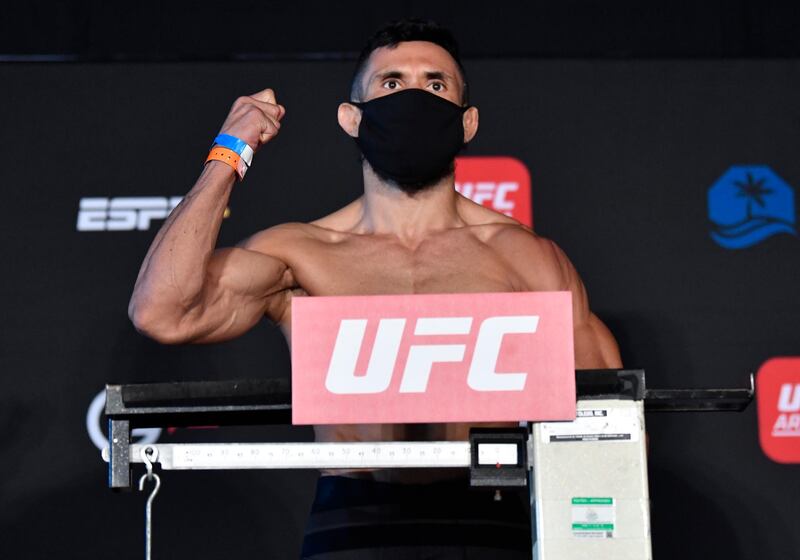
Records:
x=303, y=455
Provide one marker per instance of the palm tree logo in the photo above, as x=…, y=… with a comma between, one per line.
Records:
x=748, y=204
x=754, y=191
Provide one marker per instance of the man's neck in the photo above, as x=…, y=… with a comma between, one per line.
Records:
x=388, y=210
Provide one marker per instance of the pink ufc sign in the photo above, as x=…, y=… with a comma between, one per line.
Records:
x=501, y=183
x=433, y=358
x=778, y=399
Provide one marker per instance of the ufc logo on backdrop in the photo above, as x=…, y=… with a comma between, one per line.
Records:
x=788, y=422
x=501, y=183
x=123, y=213
x=778, y=399
x=495, y=194
x=433, y=358
x=342, y=377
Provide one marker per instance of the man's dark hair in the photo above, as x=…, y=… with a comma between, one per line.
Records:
x=411, y=29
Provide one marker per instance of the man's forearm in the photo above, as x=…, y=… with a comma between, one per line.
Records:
x=174, y=270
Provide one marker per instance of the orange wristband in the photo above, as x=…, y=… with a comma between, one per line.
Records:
x=229, y=157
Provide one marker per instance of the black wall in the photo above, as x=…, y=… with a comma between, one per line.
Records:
x=621, y=154
x=264, y=29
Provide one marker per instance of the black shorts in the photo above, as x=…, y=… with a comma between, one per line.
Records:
x=365, y=520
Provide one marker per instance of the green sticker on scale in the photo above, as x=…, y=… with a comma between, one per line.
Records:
x=593, y=517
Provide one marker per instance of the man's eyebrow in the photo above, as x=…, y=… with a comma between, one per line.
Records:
x=438, y=75
x=397, y=74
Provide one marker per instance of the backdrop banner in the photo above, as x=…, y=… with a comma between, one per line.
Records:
x=670, y=185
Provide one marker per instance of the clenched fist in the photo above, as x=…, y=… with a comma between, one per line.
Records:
x=256, y=118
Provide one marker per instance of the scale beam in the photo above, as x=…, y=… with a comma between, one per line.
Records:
x=268, y=401
x=303, y=455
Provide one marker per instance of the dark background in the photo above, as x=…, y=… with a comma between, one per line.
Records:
x=266, y=29
x=624, y=114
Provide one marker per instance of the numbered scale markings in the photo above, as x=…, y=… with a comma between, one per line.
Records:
x=201, y=456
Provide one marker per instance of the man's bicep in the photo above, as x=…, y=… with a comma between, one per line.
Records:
x=243, y=285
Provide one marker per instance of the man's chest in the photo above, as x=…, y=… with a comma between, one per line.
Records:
x=366, y=267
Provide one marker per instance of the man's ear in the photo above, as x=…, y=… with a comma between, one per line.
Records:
x=349, y=118
x=470, y=121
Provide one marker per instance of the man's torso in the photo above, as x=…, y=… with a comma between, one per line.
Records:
x=327, y=258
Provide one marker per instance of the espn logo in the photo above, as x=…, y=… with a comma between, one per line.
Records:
x=500, y=183
x=778, y=398
x=123, y=213
x=342, y=378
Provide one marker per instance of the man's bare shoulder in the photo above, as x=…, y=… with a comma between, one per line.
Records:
x=279, y=234
x=477, y=215
x=538, y=260
x=499, y=230
x=288, y=236
x=343, y=220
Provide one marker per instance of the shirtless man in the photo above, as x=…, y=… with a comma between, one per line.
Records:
x=410, y=233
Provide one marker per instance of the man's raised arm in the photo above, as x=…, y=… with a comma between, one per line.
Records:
x=188, y=292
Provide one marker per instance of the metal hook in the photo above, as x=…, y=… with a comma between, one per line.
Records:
x=150, y=476
x=149, y=455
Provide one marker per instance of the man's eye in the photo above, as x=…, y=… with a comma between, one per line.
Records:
x=390, y=84
x=437, y=86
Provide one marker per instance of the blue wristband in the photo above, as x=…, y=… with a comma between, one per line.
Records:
x=237, y=145
x=231, y=142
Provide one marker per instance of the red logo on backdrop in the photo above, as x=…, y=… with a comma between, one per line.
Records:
x=500, y=183
x=433, y=358
x=778, y=398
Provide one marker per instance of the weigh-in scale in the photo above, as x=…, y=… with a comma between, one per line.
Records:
x=587, y=478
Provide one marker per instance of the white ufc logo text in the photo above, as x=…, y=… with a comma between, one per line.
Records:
x=123, y=213
x=483, y=191
x=789, y=399
x=343, y=379
x=788, y=422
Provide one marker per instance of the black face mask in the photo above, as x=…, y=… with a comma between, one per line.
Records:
x=411, y=137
